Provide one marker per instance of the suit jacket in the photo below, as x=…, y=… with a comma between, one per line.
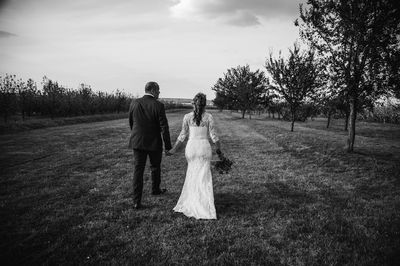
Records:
x=148, y=123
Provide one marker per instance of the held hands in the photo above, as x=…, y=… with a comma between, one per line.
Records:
x=169, y=152
x=174, y=149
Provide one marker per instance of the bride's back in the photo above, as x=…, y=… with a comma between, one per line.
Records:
x=192, y=130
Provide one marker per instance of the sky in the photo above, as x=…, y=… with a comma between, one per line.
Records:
x=184, y=45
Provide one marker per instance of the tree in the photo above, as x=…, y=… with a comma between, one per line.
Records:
x=8, y=96
x=275, y=107
x=121, y=100
x=52, y=93
x=359, y=39
x=241, y=88
x=330, y=102
x=221, y=100
x=85, y=98
x=32, y=95
x=23, y=97
x=295, y=78
x=267, y=103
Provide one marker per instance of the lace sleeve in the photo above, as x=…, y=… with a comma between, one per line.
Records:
x=185, y=129
x=211, y=129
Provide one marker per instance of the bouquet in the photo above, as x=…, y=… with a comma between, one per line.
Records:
x=224, y=164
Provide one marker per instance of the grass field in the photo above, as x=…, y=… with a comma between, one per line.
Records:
x=292, y=198
x=16, y=124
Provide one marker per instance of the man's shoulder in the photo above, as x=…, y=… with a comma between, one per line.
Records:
x=148, y=100
x=142, y=101
x=136, y=100
x=159, y=103
x=133, y=102
x=151, y=102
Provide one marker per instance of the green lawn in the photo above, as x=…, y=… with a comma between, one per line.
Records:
x=292, y=198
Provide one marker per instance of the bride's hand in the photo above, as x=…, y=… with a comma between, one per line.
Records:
x=175, y=148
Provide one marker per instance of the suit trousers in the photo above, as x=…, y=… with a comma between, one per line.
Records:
x=139, y=163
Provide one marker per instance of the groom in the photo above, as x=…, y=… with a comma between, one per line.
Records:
x=148, y=123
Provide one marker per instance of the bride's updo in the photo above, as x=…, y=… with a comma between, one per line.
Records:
x=199, y=103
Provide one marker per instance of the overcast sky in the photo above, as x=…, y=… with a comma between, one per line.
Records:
x=184, y=45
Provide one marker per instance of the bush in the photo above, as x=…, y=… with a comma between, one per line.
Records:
x=174, y=105
x=382, y=114
x=304, y=111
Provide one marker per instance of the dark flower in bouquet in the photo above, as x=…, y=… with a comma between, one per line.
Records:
x=224, y=165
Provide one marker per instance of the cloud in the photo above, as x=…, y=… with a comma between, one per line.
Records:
x=235, y=12
x=78, y=20
x=6, y=34
x=3, y=3
x=243, y=19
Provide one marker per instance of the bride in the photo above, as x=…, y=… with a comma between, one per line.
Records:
x=197, y=197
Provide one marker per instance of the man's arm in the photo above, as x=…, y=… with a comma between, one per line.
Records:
x=164, y=128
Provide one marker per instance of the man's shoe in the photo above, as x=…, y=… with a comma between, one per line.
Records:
x=137, y=206
x=159, y=192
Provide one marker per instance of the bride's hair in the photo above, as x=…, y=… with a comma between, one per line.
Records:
x=199, y=102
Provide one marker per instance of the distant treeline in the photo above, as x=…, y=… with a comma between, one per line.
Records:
x=26, y=98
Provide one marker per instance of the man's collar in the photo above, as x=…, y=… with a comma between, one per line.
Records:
x=149, y=94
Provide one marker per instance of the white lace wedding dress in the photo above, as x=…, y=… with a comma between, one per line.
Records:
x=197, y=197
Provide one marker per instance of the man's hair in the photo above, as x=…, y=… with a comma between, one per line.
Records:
x=151, y=86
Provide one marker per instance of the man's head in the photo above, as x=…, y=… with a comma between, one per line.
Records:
x=152, y=88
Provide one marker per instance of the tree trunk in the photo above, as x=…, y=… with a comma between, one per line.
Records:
x=329, y=119
x=273, y=115
x=346, y=121
x=23, y=107
x=23, y=112
x=352, y=128
x=52, y=108
x=293, y=118
x=243, y=113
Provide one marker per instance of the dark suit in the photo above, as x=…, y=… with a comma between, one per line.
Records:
x=149, y=127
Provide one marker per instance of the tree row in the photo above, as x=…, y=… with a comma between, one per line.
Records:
x=54, y=100
x=351, y=61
